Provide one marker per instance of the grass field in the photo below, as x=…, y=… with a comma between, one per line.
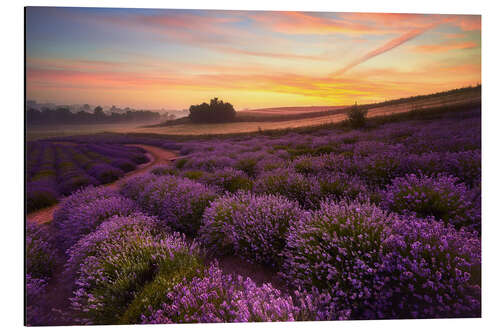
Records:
x=45, y=132
x=264, y=119
x=290, y=110
x=307, y=119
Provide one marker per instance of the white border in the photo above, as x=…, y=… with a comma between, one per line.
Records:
x=12, y=83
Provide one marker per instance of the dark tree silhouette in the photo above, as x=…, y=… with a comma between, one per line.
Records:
x=357, y=116
x=215, y=112
x=99, y=114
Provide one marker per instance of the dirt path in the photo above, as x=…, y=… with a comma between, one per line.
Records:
x=156, y=156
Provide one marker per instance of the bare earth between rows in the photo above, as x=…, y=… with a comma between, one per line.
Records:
x=156, y=156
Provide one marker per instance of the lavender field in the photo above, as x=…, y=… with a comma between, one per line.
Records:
x=55, y=169
x=331, y=223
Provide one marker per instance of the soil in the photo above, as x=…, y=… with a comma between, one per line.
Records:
x=260, y=274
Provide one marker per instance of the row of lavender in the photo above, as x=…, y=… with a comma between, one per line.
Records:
x=55, y=169
x=345, y=260
x=123, y=266
x=427, y=168
x=358, y=225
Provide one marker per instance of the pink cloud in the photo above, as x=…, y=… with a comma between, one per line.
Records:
x=465, y=22
x=307, y=23
x=393, y=43
x=396, y=21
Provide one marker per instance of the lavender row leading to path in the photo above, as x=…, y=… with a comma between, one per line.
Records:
x=155, y=155
x=57, y=169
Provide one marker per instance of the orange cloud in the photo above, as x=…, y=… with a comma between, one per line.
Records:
x=439, y=48
x=424, y=75
x=392, y=20
x=363, y=86
x=108, y=80
x=414, y=21
x=307, y=23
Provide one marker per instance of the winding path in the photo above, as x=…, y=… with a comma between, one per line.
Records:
x=156, y=156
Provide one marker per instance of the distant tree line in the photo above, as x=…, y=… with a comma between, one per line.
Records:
x=215, y=112
x=65, y=116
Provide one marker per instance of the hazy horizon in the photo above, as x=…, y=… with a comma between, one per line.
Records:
x=160, y=58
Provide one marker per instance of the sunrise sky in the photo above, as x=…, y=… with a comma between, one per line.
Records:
x=145, y=58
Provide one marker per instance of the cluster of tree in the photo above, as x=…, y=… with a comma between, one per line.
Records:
x=215, y=112
x=60, y=116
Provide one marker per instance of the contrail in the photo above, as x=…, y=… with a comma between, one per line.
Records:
x=386, y=47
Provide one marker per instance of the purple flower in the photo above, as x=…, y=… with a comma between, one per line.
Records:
x=178, y=201
x=113, y=265
x=41, y=255
x=442, y=197
x=432, y=271
x=335, y=252
x=293, y=185
x=358, y=262
x=218, y=298
x=252, y=226
x=56, y=170
x=82, y=212
x=35, y=294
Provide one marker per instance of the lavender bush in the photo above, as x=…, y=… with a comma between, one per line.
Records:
x=305, y=190
x=166, y=169
x=41, y=255
x=83, y=211
x=134, y=187
x=35, y=295
x=337, y=251
x=105, y=173
x=40, y=194
x=217, y=298
x=359, y=262
x=308, y=165
x=252, y=226
x=442, y=197
x=338, y=186
x=431, y=271
x=116, y=228
x=178, y=201
x=228, y=179
x=117, y=266
x=41, y=262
